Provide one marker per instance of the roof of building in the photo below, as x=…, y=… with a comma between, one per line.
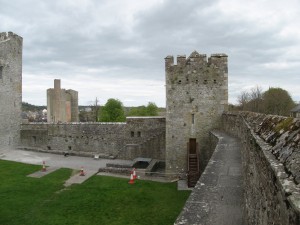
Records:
x=296, y=109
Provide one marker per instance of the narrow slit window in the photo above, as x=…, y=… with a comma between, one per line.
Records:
x=132, y=133
x=139, y=133
x=1, y=72
x=193, y=118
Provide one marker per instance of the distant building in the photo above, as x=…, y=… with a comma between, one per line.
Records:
x=295, y=112
x=62, y=105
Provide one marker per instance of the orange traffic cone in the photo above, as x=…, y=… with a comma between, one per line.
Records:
x=134, y=174
x=81, y=172
x=44, y=167
x=131, y=179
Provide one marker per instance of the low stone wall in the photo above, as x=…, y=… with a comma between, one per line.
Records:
x=138, y=137
x=271, y=163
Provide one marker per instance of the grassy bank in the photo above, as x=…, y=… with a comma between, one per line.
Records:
x=99, y=200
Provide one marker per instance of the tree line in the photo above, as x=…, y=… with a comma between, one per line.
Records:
x=114, y=111
x=276, y=101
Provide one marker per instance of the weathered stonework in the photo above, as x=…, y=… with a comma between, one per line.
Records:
x=270, y=156
x=138, y=137
x=10, y=88
x=62, y=105
x=197, y=95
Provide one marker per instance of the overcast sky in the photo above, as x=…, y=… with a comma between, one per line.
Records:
x=116, y=48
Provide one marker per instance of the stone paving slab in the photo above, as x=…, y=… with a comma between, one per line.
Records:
x=77, y=179
x=140, y=177
x=217, y=198
x=183, y=186
x=41, y=173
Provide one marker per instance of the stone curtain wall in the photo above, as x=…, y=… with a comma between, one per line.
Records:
x=78, y=139
x=144, y=137
x=138, y=137
x=271, y=163
x=10, y=88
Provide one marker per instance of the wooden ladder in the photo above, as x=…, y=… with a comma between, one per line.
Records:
x=193, y=167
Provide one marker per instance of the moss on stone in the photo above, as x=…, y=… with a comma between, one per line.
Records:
x=284, y=125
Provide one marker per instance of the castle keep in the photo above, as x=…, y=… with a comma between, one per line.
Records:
x=10, y=88
x=197, y=95
x=62, y=105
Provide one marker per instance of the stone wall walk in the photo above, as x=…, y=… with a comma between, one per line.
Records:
x=218, y=196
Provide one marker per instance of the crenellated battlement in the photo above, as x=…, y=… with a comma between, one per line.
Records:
x=197, y=69
x=5, y=36
x=196, y=59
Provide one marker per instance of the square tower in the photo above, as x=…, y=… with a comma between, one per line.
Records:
x=62, y=105
x=197, y=95
x=10, y=88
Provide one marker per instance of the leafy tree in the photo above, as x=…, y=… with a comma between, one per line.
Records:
x=112, y=111
x=277, y=101
x=274, y=101
x=138, y=111
x=29, y=107
x=150, y=110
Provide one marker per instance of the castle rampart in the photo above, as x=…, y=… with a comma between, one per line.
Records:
x=270, y=157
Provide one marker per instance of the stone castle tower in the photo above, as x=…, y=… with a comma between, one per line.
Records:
x=197, y=94
x=10, y=88
x=62, y=105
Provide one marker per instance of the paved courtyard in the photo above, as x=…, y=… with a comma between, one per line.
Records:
x=55, y=160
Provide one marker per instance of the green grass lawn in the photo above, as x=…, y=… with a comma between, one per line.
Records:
x=99, y=200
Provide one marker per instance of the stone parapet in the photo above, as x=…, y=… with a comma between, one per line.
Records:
x=270, y=155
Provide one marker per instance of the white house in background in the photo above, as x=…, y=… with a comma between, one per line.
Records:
x=295, y=112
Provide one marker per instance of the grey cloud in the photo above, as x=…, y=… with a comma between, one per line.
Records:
x=92, y=39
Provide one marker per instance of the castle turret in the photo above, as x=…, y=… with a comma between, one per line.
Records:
x=197, y=94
